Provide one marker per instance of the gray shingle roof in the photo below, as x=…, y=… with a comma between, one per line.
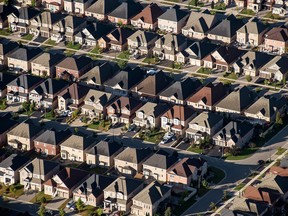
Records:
x=254, y=26
x=105, y=148
x=26, y=129
x=127, y=10
x=207, y=119
x=174, y=14
x=124, y=185
x=51, y=86
x=134, y=155
x=7, y=46
x=48, y=59
x=26, y=81
x=161, y=160
x=14, y=162
x=79, y=141
x=53, y=136
x=41, y=167
x=26, y=54
x=103, y=7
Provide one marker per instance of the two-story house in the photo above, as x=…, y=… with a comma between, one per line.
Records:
x=77, y=6
x=101, y=8
x=275, y=69
x=5, y=78
x=276, y=40
x=6, y=48
x=53, y=5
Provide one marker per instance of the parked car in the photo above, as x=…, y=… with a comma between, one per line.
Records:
x=164, y=141
x=70, y=203
x=132, y=127
x=73, y=207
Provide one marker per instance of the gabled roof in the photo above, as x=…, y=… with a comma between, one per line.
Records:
x=74, y=91
x=238, y=100
x=143, y=36
x=152, y=85
x=49, y=18
x=26, y=129
x=53, y=137
x=14, y=161
x=25, y=53
x=207, y=119
x=79, y=141
x=27, y=13
x=5, y=78
x=161, y=160
x=101, y=73
x=278, y=34
x=275, y=182
x=173, y=41
x=48, y=59
x=250, y=60
x=254, y=26
x=260, y=194
x=278, y=170
x=200, y=49
x=179, y=112
x=5, y=10
x=41, y=167
x=9, y=122
x=209, y=94
x=182, y=89
x=248, y=207
x=149, y=14
x=124, y=185
x=51, y=86
x=152, y=193
x=73, y=21
x=125, y=102
x=134, y=155
x=281, y=65
x=96, y=96
x=105, y=148
x=153, y=109
x=103, y=7
x=26, y=81
x=74, y=63
x=174, y=14
x=127, y=78
x=95, y=31
x=7, y=46
x=127, y=9
x=119, y=36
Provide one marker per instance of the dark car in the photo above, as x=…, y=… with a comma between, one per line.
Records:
x=260, y=162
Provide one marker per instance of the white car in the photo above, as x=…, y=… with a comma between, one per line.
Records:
x=169, y=135
x=70, y=113
x=152, y=72
x=70, y=204
x=65, y=113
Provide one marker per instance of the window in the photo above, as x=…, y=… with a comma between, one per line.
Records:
x=164, y=119
x=176, y=121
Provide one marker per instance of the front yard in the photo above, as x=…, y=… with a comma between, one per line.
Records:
x=102, y=125
x=204, y=70
x=41, y=198
x=28, y=37
x=153, y=135
x=13, y=191
x=75, y=46
x=124, y=55
x=50, y=42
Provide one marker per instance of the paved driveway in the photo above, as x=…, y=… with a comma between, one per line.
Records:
x=55, y=203
x=27, y=196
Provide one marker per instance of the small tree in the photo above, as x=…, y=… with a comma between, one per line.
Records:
x=62, y=212
x=33, y=3
x=31, y=106
x=205, y=183
x=212, y=4
x=194, y=2
x=248, y=78
x=79, y=205
x=12, y=190
x=26, y=106
x=43, y=200
x=168, y=211
x=279, y=120
x=212, y=206
x=75, y=130
x=41, y=211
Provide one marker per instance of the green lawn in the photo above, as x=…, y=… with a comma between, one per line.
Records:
x=195, y=149
x=280, y=151
x=231, y=76
x=218, y=174
x=5, y=32
x=69, y=53
x=96, y=50
x=100, y=125
x=248, y=12
x=3, y=104
x=124, y=55
x=239, y=187
x=50, y=42
x=19, y=190
x=205, y=70
x=49, y=116
x=75, y=46
x=150, y=61
x=28, y=37
x=38, y=197
x=245, y=153
x=272, y=16
x=88, y=210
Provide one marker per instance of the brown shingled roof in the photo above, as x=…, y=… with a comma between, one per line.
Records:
x=261, y=194
x=149, y=14
x=278, y=34
x=180, y=112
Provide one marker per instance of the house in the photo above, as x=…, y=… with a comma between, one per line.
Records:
x=195, y=53
x=152, y=85
x=237, y=101
x=118, y=195
x=125, y=12
x=44, y=64
x=222, y=58
x=122, y=83
x=21, y=58
x=75, y=147
x=156, y=166
x=255, y=5
x=185, y=171
x=19, y=88
x=199, y=24
x=77, y=6
x=116, y=40
x=92, y=33
x=180, y=91
x=46, y=94
x=20, y=20
x=247, y=206
x=96, y=102
x=71, y=68
x=276, y=170
x=103, y=153
x=148, y=17
x=53, y=5
x=5, y=128
x=276, y=40
x=142, y=42
x=99, y=74
x=249, y=64
x=275, y=69
x=203, y=125
x=208, y=96
x=72, y=97
x=22, y=136
x=149, y=115
x=5, y=79
x=226, y=30
x=173, y=20
x=176, y=119
x=169, y=45
x=91, y=191
x=34, y=174
x=100, y=9
x=65, y=182
x=147, y=201
x=252, y=33
x=130, y=160
x=9, y=169
x=279, y=8
x=123, y=109
x=48, y=143
x=234, y=134
x=6, y=48
x=266, y=108
x=5, y=11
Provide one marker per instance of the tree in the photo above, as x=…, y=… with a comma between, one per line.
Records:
x=42, y=210
x=75, y=130
x=12, y=189
x=26, y=106
x=79, y=205
x=212, y=4
x=31, y=106
x=168, y=211
x=6, y=2
x=205, y=183
x=248, y=78
x=122, y=63
x=212, y=205
x=279, y=120
x=99, y=211
x=43, y=200
x=62, y=212
x=33, y=3
x=194, y=2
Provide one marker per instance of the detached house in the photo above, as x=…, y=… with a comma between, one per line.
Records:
x=75, y=147
x=22, y=136
x=149, y=115
x=157, y=165
x=148, y=17
x=18, y=90
x=5, y=11
x=276, y=40
x=173, y=20
x=9, y=169
x=234, y=134
x=76, y=6
x=147, y=201
x=275, y=69
x=169, y=45
x=20, y=59
x=176, y=119
x=6, y=48
x=64, y=182
x=266, y=108
x=72, y=97
x=208, y=96
x=130, y=160
x=124, y=12
x=46, y=94
x=101, y=8
x=96, y=102
x=142, y=42
x=203, y=125
x=72, y=68
x=35, y=173
x=48, y=143
x=53, y=5
x=180, y=91
x=123, y=110
x=91, y=191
